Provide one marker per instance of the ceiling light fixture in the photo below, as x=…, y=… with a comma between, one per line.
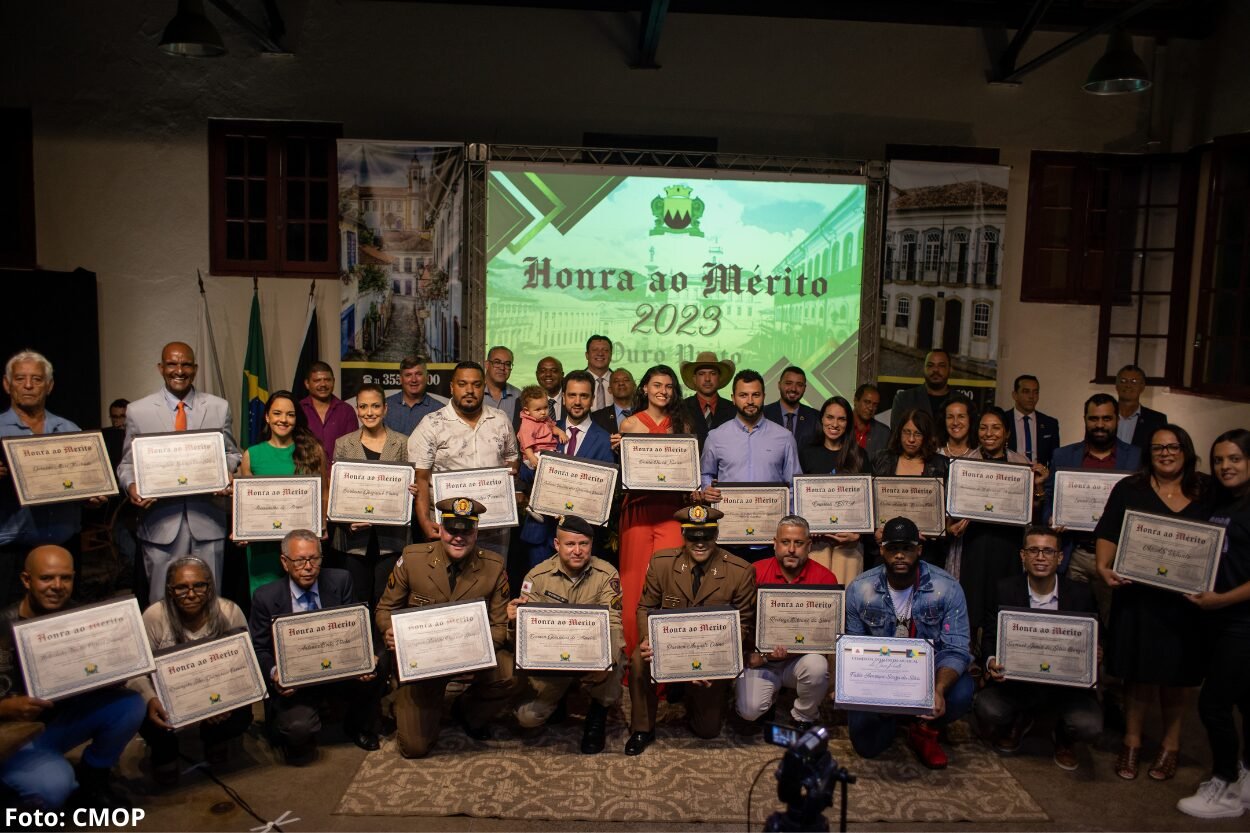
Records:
x=1119, y=70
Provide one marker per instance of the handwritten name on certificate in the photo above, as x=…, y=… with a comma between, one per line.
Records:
x=835, y=503
x=207, y=678
x=884, y=674
x=493, y=488
x=1000, y=493
x=566, y=485
x=323, y=645
x=551, y=637
x=660, y=462
x=442, y=640
x=267, y=508
x=923, y=499
x=83, y=648
x=1081, y=495
x=54, y=468
x=371, y=492
x=803, y=619
x=1170, y=553
x=1052, y=647
x=697, y=643
x=179, y=463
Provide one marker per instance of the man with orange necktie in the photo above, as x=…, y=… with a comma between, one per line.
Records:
x=178, y=526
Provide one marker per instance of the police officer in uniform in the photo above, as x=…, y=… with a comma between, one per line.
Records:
x=574, y=577
x=450, y=569
x=700, y=574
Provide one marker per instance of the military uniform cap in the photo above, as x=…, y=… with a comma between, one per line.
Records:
x=459, y=514
x=698, y=522
x=572, y=523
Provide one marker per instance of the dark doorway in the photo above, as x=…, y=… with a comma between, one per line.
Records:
x=951, y=325
x=924, y=327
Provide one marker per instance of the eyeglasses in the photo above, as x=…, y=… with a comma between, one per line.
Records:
x=1046, y=551
x=183, y=590
x=1170, y=448
x=913, y=435
x=302, y=562
x=499, y=363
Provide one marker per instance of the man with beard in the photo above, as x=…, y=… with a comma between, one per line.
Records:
x=931, y=395
x=1100, y=449
x=464, y=435
x=706, y=375
x=747, y=449
x=803, y=421
x=499, y=392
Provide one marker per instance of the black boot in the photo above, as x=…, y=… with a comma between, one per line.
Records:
x=595, y=729
x=96, y=790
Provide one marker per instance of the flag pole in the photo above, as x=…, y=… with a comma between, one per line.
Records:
x=212, y=340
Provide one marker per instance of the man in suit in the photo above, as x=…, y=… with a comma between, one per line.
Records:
x=803, y=421
x=599, y=366
x=1008, y=707
x=932, y=394
x=1137, y=422
x=450, y=569
x=550, y=376
x=1035, y=435
x=705, y=376
x=871, y=434
x=586, y=440
x=293, y=716
x=177, y=526
x=621, y=385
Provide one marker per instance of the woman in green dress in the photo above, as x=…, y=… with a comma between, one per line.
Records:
x=287, y=447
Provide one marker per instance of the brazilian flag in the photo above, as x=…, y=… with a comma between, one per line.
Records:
x=255, y=380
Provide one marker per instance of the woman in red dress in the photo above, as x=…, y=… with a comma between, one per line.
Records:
x=647, y=523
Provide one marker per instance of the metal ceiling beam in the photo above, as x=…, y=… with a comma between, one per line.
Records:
x=653, y=14
x=267, y=39
x=1007, y=60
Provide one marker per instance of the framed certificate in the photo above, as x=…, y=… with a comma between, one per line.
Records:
x=660, y=462
x=179, y=463
x=493, y=488
x=267, y=508
x=802, y=618
x=1170, y=553
x=1048, y=646
x=323, y=645
x=695, y=643
x=53, y=468
x=207, y=678
x=551, y=637
x=371, y=492
x=1080, y=495
x=752, y=511
x=83, y=648
x=1000, y=493
x=442, y=640
x=835, y=503
x=922, y=499
x=566, y=485
x=884, y=674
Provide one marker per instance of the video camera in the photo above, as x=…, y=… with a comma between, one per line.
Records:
x=805, y=779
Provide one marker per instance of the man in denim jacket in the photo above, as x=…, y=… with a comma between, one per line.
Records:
x=905, y=597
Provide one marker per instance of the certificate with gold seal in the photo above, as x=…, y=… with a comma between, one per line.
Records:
x=442, y=640
x=752, y=511
x=494, y=488
x=323, y=645
x=1080, y=495
x=565, y=485
x=177, y=463
x=802, y=618
x=53, y=468
x=267, y=508
x=695, y=643
x=553, y=637
x=208, y=677
x=922, y=499
x=1048, y=646
x=1170, y=553
x=884, y=674
x=983, y=490
x=372, y=492
x=835, y=503
x=660, y=462
x=83, y=648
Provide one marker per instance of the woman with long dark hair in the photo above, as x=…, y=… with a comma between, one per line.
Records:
x=834, y=451
x=647, y=522
x=1226, y=638
x=958, y=437
x=1154, y=635
x=912, y=452
x=286, y=448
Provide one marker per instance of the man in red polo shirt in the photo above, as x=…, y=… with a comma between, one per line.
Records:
x=767, y=674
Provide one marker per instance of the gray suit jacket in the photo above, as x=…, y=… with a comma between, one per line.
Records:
x=390, y=538
x=205, y=515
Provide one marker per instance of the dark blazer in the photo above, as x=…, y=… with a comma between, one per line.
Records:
x=1046, y=441
x=1074, y=597
x=1148, y=423
x=594, y=445
x=908, y=398
x=884, y=464
x=878, y=438
x=807, y=427
x=723, y=412
x=1127, y=458
x=334, y=588
x=605, y=418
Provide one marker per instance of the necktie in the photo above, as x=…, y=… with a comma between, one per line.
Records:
x=308, y=600
x=551, y=409
x=707, y=411
x=601, y=393
x=790, y=423
x=1028, y=438
x=696, y=578
x=453, y=573
x=180, y=418
x=571, y=448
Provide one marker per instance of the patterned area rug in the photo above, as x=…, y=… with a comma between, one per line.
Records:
x=679, y=779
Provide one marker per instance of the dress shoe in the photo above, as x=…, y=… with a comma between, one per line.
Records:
x=474, y=732
x=595, y=729
x=1007, y=742
x=923, y=740
x=365, y=739
x=638, y=741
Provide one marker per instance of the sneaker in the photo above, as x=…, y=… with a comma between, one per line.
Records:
x=923, y=740
x=1065, y=756
x=1243, y=784
x=1215, y=799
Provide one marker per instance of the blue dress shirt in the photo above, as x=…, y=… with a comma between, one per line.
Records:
x=405, y=418
x=765, y=453
x=32, y=526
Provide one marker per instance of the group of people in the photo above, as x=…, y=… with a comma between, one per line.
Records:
x=658, y=551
